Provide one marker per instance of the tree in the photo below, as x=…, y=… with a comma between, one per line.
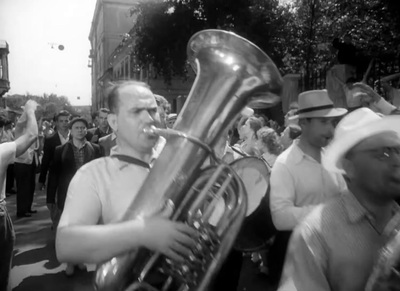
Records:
x=163, y=28
x=51, y=104
x=297, y=36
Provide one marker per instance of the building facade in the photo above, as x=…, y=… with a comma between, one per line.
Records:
x=111, y=21
x=4, y=79
x=124, y=66
x=112, y=56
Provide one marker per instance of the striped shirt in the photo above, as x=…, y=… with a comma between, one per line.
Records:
x=336, y=247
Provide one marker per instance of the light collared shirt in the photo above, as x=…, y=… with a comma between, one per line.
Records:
x=298, y=184
x=29, y=155
x=102, y=190
x=336, y=247
x=7, y=156
x=63, y=139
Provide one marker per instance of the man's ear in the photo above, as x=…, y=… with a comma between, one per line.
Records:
x=112, y=121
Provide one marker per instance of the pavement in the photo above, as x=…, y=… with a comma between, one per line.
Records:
x=35, y=266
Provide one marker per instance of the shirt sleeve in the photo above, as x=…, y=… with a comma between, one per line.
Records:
x=382, y=106
x=305, y=267
x=83, y=205
x=285, y=215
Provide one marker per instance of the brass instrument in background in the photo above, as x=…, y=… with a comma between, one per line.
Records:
x=231, y=72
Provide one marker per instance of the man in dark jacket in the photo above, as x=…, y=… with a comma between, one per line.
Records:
x=94, y=134
x=68, y=158
x=60, y=137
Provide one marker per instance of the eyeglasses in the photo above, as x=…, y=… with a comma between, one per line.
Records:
x=385, y=153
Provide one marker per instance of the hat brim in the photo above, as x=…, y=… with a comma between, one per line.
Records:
x=337, y=149
x=333, y=112
x=75, y=120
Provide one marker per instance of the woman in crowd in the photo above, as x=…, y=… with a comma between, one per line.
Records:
x=247, y=128
x=268, y=143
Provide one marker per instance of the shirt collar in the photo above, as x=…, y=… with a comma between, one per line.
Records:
x=61, y=136
x=356, y=211
x=116, y=152
x=298, y=155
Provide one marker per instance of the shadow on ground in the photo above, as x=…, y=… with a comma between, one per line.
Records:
x=35, y=265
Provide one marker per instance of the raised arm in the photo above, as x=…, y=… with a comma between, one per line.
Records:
x=390, y=77
x=26, y=129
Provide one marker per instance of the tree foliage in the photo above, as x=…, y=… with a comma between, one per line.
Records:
x=297, y=36
x=163, y=28
x=50, y=104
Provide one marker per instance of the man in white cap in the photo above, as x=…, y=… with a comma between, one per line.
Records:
x=298, y=180
x=336, y=246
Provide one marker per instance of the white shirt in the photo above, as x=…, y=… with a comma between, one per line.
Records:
x=7, y=156
x=62, y=138
x=382, y=106
x=298, y=184
x=30, y=154
x=395, y=97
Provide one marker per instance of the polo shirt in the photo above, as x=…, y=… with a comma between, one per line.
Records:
x=101, y=191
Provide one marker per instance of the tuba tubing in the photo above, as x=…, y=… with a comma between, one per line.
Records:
x=231, y=72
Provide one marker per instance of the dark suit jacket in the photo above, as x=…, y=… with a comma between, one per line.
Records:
x=50, y=144
x=106, y=143
x=94, y=134
x=63, y=170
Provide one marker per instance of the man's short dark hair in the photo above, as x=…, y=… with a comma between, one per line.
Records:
x=113, y=92
x=62, y=113
x=104, y=110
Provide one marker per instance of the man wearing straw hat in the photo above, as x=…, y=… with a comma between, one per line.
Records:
x=298, y=180
x=336, y=246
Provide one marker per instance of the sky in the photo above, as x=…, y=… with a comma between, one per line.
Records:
x=31, y=27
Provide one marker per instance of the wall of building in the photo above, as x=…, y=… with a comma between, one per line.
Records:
x=111, y=20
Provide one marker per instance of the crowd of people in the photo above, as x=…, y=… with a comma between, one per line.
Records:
x=334, y=177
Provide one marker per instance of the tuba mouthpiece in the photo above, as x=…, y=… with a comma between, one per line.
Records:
x=151, y=130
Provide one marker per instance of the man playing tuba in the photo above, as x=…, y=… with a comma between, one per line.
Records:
x=90, y=229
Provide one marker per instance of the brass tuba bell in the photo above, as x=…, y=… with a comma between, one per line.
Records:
x=231, y=72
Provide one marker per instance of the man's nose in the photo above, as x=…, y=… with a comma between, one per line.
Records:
x=395, y=159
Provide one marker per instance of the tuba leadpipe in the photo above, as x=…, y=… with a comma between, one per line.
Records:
x=231, y=72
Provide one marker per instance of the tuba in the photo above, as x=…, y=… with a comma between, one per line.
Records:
x=231, y=73
x=386, y=273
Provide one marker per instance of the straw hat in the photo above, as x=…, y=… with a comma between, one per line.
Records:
x=316, y=103
x=354, y=128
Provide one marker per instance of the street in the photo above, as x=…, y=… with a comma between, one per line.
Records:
x=35, y=266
